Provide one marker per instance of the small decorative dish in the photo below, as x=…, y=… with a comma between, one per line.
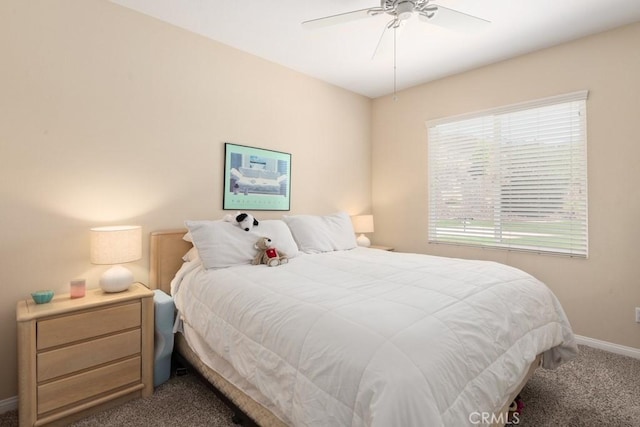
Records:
x=42, y=297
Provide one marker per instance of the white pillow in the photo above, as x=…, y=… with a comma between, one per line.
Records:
x=223, y=244
x=191, y=255
x=315, y=234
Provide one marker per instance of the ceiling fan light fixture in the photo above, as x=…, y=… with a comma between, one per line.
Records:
x=404, y=10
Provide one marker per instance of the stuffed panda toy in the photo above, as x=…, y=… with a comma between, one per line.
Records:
x=244, y=220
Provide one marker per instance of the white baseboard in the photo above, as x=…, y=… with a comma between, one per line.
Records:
x=9, y=404
x=608, y=346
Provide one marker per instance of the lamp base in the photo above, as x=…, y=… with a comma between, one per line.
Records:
x=116, y=279
x=363, y=241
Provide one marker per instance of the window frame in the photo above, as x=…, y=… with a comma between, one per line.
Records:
x=569, y=237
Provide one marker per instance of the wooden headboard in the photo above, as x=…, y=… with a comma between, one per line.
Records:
x=167, y=249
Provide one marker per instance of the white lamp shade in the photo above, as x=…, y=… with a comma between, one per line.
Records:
x=116, y=245
x=362, y=223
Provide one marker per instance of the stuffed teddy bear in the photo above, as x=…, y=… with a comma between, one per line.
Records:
x=267, y=254
x=244, y=220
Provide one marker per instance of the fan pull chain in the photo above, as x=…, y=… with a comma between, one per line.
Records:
x=395, y=74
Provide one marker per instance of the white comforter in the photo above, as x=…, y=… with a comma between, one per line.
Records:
x=374, y=338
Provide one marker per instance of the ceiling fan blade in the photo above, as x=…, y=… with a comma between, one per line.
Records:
x=385, y=42
x=456, y=20
x=337, y=19
x=379, y=47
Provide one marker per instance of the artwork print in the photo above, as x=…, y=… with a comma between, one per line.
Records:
x=256, y=179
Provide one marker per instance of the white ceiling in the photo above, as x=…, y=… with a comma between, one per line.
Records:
x=342, y=54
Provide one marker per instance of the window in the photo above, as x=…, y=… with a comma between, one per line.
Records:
x=513, y=177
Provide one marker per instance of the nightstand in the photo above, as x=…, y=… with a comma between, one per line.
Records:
x=79, y=356
x=383, y=248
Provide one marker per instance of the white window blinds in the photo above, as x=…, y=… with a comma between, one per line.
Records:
x=513, y=177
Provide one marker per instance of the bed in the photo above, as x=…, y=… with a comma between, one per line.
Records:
x=344, y=335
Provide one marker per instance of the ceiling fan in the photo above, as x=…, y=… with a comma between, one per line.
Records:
x=401, y=10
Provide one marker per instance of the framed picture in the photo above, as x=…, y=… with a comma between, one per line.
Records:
x=256, y=179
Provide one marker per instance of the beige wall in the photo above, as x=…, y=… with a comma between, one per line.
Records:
x=109, y=117
x=600, y=293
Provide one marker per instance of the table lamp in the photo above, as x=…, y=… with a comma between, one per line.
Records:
x=363, y=224
x=116, y=245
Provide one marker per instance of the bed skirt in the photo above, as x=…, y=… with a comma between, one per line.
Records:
x=254, y=410
x=263, y=416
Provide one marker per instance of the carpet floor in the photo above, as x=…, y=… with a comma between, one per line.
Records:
x=596, y=389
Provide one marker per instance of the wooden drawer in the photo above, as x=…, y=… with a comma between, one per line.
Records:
x=77, y=357
x=87, y=385
x=76, y=327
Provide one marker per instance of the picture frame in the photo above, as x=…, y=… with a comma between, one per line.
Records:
x=256, y=179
